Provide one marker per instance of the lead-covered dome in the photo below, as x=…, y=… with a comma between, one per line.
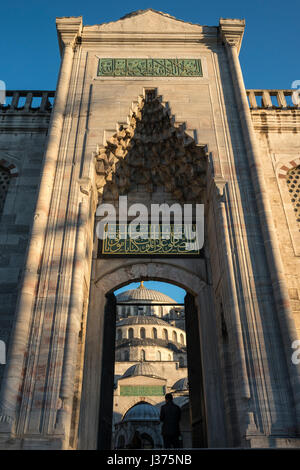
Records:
x=141, y=368
x=142, y=320
x=145, y=295
x=181, y=384
x=142, y=412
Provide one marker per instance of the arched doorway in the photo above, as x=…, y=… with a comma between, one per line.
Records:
x=96, y=408
x=140, y=427
x=147, y=441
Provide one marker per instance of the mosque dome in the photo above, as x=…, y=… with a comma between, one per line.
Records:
x=145, y=295
x=141, y=368
x=142, y=412
x=181, y=384
x=142, y=320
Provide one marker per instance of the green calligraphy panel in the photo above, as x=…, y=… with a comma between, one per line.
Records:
x=153, y=240
x=141, y=390
x=150, y=68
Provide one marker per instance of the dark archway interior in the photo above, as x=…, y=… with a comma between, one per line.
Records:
x=195, y=377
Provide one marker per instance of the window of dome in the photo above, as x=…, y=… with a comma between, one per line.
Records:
x=141, y=311
x=130, y=333
x=143, y=333
x=154, y=333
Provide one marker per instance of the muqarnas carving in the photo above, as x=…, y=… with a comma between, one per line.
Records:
x=152, y=150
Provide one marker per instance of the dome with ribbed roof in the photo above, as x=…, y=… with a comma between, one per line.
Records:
x=142, y=412
x=181, y=384
x=141, y=368
x=142, y=320
x=145, y=295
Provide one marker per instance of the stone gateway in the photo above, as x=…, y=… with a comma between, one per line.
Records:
x=155, y=109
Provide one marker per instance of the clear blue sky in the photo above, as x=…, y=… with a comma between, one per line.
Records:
x=172, y=291
x=29, y=50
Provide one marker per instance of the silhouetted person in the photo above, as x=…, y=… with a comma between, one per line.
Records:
x=136, y=441
x=170, y=417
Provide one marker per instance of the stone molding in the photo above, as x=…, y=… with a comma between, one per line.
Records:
x=232, y=31
x=148, y=26
x=68, y=30
x=220, y=184
x=268, y=120
x=138, y=270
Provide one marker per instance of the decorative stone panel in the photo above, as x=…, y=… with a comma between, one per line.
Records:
x=151, y=150
x=4, y=185
x=293, y=182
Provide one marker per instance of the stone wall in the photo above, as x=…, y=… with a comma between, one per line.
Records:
x=276, y=120
x=24, y=121
x=251, y=237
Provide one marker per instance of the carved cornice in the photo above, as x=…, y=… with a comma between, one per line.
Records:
x=68, y=30
x=232, y=31
x=216, y=187
x=276, y=120
x=88, y=188
x=93, y=38
x=85, y=185
x=146, y=26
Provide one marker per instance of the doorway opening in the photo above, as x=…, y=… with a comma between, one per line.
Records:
x=151, y=347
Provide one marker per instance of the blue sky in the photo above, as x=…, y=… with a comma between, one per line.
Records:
x=29, y=50
x=172, y=291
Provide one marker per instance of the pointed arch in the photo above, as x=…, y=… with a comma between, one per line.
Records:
x=143, y=355
x=142, y=333
x=130, y=333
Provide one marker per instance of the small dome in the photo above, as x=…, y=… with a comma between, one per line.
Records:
x=142, y=412
x=181, y=384
x=144, y=294
x=142, y=368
